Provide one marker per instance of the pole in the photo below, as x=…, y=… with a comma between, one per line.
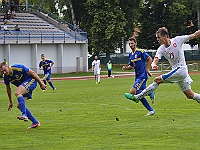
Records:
x=198, y=19
x=26, y=5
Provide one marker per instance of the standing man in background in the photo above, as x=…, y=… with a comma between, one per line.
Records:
x=46, y=65
x=96, y=67
x=109, y=68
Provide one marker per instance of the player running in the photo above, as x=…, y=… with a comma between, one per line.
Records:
x=171, y=49
x=137, y=60
x=46, y=65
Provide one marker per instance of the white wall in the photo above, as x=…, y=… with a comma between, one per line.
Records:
x=20, y=54
x=64, y=55
x=1, y=53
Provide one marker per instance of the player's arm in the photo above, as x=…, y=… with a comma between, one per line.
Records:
x=149, y=62
x=92, y=67
x=40, y=66
x=129, y=67
x=52, y=63
x=154, y=63
x=37, y=78
x=9, y=92
x=195, y=35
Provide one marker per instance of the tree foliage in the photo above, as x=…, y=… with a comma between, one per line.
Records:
x=107, y=25
x=173, y=14
x=107, y=21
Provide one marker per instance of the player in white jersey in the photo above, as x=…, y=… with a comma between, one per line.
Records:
x=171, y=49
x=96, y=67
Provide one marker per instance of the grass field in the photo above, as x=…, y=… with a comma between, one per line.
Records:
x=81, y=115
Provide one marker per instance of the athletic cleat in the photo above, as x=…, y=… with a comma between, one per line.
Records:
x=150, y=113
x=22, y=117
x=34, y=125
x=152, y=97
x=54, y=89
x=44, y=90
x=131, y=97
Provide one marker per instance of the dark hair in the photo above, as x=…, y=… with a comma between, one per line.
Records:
x=163, y=31
x=132, y=39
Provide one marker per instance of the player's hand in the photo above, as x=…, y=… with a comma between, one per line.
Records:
x=48, y=68
x=154, y=67
x=123, y=68
x=41, y=68
x=10, y=105
x=43, y=86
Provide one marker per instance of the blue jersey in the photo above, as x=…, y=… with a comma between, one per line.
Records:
x=138, y=61
x=18, y=74
x=45, y=64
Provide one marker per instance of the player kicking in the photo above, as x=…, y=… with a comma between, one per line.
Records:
x=96, y=67
x=46, y=65
x=26, y=81
x=171, y=49
x=137, y=60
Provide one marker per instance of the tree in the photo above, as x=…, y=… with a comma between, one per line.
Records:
x=172, y=14
x=107, y=25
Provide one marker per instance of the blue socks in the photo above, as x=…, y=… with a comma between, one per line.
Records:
x=22, y=105
x=146, y=104
x=25, y=111
x=30, y=116
x=50, y=83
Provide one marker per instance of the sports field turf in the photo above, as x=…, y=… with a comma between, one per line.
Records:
x=82, y=115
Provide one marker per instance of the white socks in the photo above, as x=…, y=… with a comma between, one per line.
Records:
x=196, y=97
x=152, y=87
x=98, y=78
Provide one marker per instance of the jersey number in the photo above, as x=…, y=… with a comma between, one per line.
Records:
x=171, y=55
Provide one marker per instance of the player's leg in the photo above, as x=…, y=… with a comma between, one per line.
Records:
x=152, y=97
x=109, y=73
x=21, y=102
x=45, y=77
x=138, y=86
x=49, y=81
x=146, y=104
x=152, y=87
x=175, y=75
x=35, y=122
x=98, y=76
x=186, y=88
x=95, y=75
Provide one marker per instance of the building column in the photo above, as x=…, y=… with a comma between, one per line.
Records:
x=60, y=58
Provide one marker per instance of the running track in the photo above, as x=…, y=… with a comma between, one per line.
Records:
x=102, y=76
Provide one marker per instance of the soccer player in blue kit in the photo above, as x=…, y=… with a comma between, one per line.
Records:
x=26, y=81
x=46, y=65
x=137, y=60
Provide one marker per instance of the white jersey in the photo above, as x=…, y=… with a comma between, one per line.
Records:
x=96, y=64
x=174, y=53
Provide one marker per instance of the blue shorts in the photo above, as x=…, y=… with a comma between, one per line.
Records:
x=47, y=75
x=30, y=84
x=140, y=84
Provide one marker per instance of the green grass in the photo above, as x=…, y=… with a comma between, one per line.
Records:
x=81, y=115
